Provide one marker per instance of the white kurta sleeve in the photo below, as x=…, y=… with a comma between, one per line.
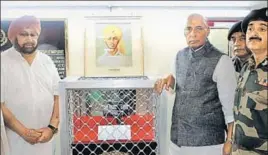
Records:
x=2, y=85
x=224, y=75
x=4, y=140
x=56, y=79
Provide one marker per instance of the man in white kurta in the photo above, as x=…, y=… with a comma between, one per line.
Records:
x=4, y=141
x=28, y=91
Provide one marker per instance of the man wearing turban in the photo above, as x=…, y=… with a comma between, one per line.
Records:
x=29, y=95
x=115, y=54
x=113, y=40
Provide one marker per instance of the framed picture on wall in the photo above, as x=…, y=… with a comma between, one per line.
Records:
x=113, y=46
x=52, y=41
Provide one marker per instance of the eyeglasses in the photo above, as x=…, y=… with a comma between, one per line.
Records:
x=197, y=29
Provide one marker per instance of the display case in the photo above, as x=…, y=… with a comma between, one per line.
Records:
x=110, y=115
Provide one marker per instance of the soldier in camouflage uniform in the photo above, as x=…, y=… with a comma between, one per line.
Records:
x=250, y=111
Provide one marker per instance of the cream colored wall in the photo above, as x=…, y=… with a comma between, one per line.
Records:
x=162, y=36
x=162, y=32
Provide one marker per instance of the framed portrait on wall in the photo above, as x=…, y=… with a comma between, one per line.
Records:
x=113, y=47
x=52, y=41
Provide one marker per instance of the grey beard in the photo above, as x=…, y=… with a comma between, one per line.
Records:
x=24, y=50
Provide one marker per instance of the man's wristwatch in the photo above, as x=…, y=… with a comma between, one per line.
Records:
x=229, y=140
x=54, y=129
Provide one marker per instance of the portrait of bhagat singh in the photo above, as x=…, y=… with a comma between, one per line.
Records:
x=113, y=45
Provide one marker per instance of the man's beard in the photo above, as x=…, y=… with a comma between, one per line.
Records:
x=23, y=49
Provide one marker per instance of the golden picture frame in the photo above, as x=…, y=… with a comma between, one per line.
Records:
x=113, y=46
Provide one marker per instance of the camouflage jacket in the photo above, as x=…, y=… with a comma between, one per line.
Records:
x=250, y=109
x=238, y=63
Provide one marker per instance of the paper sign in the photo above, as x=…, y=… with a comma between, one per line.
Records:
x=114, y=132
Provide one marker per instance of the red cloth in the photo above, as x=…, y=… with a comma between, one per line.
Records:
x=21, y=23
x=85, y=128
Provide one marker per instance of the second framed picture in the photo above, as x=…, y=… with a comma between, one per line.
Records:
x=113, y=47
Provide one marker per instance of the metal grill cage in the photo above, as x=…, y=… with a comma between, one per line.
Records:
x=109, y=116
